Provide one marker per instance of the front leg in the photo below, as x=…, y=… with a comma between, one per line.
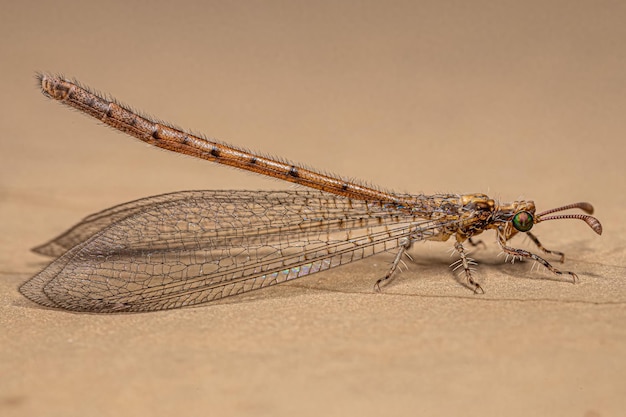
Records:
x=521, y=253
x=540, y=246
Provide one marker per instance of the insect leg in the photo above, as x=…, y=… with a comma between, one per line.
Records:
x=404, y=246
x=467, y=263
x=477, y=243
x=540, y=246
x=521, y=253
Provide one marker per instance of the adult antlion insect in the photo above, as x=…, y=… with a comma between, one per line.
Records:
x=192, y=247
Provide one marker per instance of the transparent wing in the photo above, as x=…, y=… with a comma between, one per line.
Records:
x=206, y=245
x=98, y=221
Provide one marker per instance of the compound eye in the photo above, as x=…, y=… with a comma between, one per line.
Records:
x=523, y=221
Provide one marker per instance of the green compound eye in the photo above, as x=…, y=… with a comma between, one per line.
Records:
x=523, y=221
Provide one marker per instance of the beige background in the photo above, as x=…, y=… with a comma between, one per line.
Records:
x=514, y=99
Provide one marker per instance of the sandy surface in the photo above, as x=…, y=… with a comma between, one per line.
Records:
x=514, y=100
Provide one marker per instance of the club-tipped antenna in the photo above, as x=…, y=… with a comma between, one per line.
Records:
x=586, y=207
x=591, y=221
